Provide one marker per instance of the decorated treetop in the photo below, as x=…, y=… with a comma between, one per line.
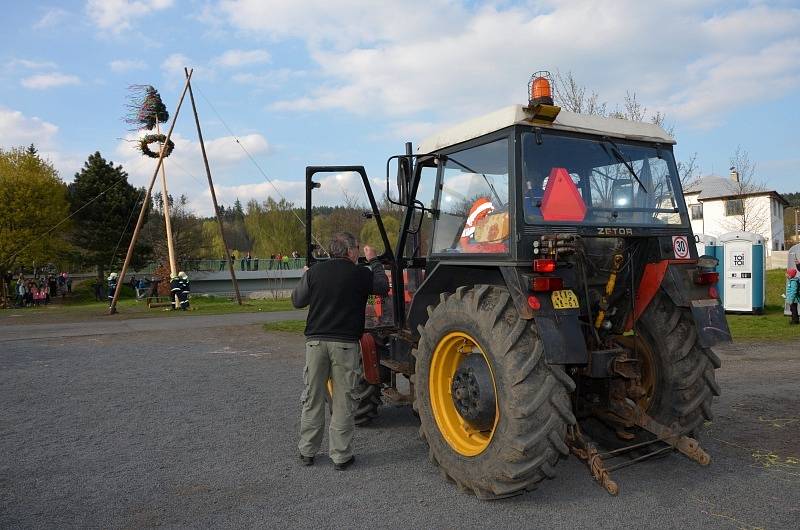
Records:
x=145, y=107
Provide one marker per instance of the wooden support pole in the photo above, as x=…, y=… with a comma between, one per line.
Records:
x=140, y=220
x=173, y=266
x=211, y=189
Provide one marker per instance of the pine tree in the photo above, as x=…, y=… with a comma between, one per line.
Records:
x=100, y=222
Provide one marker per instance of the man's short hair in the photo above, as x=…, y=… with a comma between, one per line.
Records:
x=341, y=243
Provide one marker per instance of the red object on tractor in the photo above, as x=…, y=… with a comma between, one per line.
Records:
x=562, y=201
x=369, y=358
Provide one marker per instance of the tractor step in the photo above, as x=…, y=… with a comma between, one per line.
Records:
x=395, y=397
x=397, y=366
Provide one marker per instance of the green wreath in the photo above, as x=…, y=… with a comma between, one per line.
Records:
x=144, y=145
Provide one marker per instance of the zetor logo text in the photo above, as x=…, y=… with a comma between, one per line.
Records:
x=611, y=231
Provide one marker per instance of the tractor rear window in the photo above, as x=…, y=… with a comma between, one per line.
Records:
x=473, y=201
x=569, y=180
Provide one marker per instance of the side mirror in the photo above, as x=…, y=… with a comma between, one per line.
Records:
x=403, y=179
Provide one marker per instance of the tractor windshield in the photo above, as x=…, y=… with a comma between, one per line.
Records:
x=597, y=181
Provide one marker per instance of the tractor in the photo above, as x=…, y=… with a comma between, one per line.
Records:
x=547, y=297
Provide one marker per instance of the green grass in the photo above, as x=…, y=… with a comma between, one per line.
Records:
x=290, y=326
x=772, y=325
x=82, y=306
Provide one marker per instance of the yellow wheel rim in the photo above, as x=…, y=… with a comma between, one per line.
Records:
x=459, y=434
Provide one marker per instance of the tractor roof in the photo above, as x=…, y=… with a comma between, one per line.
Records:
x=565, y=121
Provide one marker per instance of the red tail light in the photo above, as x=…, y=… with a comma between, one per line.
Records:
x=706, y=278
x=544, y=265
x=533, y=303
x=546, y=283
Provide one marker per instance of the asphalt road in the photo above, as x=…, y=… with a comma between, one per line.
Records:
x=196, y=427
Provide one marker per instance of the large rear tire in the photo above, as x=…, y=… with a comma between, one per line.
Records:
x=677, y=373
x=518, y=436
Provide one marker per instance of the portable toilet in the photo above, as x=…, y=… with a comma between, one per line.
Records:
x=792, y=261
x=707, y=245
x=743, y=273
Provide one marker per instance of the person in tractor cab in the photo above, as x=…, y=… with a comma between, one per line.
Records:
x=336, y=292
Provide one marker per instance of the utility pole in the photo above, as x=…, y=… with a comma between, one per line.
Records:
x=140, y=220
x=211, y=189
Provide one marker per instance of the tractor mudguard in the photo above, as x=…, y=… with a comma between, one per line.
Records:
x=559, y=329
x=562, y=338
x=675, y=278
x=709, y=317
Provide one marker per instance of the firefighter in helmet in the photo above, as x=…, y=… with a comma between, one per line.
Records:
x=183, y=280
x=112, y=287
x=174, y=290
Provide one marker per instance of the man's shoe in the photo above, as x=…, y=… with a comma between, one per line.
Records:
x=307, y=460
x=344, y=465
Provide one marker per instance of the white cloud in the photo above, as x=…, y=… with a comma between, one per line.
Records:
x=172, y=69
x=237, y=58
x=481, y=58
x=17, y=129
x=270, y=79
x=45, y=81
x=184, y=167
x=117, y=16
x=717, y=83
x=335, y=189
x=126, y=65
x=31, y=65
x=52, y=17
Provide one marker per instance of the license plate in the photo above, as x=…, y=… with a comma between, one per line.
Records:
x=565, y=299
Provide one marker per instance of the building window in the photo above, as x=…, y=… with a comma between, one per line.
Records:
x=697, y=212
x=734, y=207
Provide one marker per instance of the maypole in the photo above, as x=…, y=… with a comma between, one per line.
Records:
x=147, y=112
x=166, y=148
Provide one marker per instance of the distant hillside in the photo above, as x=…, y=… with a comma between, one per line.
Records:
x=793, y=198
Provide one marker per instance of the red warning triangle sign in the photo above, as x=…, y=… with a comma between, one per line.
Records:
x=562, y=201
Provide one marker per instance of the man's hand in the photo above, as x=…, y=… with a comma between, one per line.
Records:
x=369, y=253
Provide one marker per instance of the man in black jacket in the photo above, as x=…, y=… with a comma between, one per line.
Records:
x=336, y=291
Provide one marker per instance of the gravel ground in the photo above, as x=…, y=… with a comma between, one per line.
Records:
x=196, y=427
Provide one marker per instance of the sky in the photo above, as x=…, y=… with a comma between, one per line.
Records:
x=324, y=82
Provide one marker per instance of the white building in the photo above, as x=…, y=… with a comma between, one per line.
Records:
x=718, y=205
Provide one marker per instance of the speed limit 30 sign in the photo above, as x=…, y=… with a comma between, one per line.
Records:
x=680, y=245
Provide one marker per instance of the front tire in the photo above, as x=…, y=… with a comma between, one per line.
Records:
x=501, y=452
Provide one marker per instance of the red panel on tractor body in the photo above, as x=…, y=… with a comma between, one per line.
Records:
x=562, y=201
x=369, y=358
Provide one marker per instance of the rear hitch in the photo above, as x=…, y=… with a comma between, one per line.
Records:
x=626, y=412
x=586, y=451
x=669, y=435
